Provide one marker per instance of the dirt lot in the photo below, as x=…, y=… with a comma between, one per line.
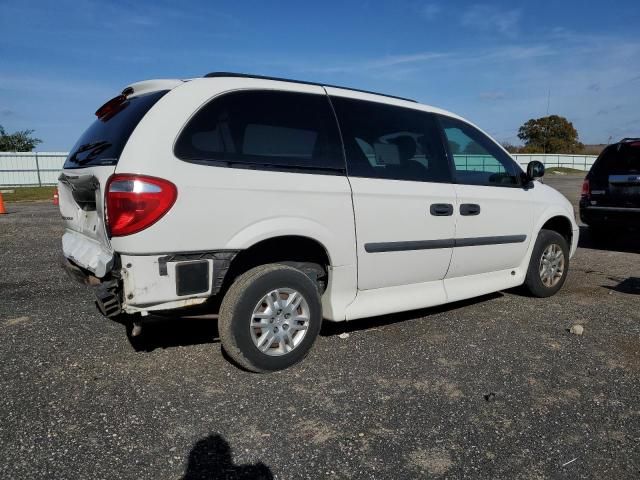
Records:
x=490, y=388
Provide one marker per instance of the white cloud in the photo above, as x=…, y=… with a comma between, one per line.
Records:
x=430, y=10
x=381, y=63
x=492, y=96
x=505, y=54
x=488, y=18
x=35, y=85
x=503, y=86
x=394, y=60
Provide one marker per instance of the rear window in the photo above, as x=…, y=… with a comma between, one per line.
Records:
x=103, y=142
x=621, y=158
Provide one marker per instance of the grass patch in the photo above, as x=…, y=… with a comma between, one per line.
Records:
x=564, y=170
x=28, y=194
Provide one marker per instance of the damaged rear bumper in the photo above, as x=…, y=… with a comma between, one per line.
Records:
x=87, y=253
x=146, y=283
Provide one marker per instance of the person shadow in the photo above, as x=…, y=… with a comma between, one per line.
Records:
x=210, y=459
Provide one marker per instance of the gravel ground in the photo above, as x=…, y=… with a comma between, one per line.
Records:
x=495, y=387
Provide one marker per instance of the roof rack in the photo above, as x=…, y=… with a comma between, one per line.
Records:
x=262, y=77
x=629, y=139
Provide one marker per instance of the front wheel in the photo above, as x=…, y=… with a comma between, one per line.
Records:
x=549, y=264
x=270, y=317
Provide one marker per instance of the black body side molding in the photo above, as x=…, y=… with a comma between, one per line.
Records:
x=405, y=246
x=444, y=243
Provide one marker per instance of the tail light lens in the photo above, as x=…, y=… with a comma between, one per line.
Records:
x=135, y=202
x=586, y=189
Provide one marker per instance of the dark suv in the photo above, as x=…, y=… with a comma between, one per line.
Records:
x=611, y=190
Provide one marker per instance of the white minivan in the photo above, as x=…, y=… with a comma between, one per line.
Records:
x=277, y=203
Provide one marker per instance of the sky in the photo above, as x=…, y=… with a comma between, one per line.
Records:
x=496, y=63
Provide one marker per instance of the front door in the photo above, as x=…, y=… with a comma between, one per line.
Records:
x=494, y=213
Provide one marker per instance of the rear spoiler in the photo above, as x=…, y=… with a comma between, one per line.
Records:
x=147, y=86
x=139, y=88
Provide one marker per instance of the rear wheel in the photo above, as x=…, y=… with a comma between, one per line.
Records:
x=548, y=265
x=270, y=317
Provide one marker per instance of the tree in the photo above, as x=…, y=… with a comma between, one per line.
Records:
x=474, y=148
x=509, y=147
x=454, y=147
x=20, y=141
x=552, y=134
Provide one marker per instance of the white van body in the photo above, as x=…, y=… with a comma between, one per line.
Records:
x=385, y=252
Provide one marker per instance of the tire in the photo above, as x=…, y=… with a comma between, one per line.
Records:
x=289, y=329
x=534, y=282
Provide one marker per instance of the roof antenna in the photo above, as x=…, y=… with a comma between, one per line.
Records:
x=546, y=130
x=548, y=100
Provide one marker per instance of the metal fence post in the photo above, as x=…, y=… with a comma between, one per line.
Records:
x=38, y=170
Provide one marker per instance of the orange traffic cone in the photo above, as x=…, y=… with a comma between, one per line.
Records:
x=2, y=209
x=56, y=199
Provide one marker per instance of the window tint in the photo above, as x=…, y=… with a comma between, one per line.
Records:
x=103, y=142
x=264, y=128
x=384, y=141
x=619, y=159
x=478, y=160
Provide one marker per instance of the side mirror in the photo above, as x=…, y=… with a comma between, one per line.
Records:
x=535, y=169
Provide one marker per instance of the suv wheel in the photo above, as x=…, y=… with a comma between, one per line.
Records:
x=270, y=317
x=548, y=265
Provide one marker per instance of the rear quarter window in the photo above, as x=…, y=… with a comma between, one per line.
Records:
x=102, y=143
x=264, y=129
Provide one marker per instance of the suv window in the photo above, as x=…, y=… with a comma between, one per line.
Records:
x=385, y=141
x=620, y=158
x=103, y=142
x=478, y=160
x=264, y=129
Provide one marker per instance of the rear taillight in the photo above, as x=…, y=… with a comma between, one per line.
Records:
x=586, y=189
x=135, y=202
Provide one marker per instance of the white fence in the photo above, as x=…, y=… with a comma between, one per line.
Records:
x=43, y=168
x=30, y=169
x=577, y=162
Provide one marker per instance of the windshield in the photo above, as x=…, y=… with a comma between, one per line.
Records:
x=103, y=142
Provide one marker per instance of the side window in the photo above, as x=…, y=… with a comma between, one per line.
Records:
x=264, y=128
x=385, y=141
x=478, y=160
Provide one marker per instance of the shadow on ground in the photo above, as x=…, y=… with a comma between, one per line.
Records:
x=612, y=240
x=336, y=328
x=174, y=331
x=169, y=332
x=630, y=285
x=210, y=459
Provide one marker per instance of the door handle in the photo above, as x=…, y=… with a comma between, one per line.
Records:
x=441, y=209
x=469, y=209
